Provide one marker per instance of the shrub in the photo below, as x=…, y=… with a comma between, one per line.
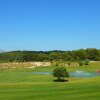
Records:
x=69, y=63
x=81, y=63
x=87, y=62
x=60, y=72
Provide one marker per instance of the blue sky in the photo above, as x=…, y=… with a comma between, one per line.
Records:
x=49, y=24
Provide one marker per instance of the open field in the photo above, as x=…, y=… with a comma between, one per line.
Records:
x=21, y=84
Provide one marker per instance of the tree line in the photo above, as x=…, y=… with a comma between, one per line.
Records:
x=55, y=55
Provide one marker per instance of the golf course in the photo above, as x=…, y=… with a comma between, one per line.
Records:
x=49, y=49
x=31, y=84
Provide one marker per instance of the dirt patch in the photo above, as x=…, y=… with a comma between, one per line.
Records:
x=41, y=64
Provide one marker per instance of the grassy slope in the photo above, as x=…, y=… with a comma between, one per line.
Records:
x=17, y=84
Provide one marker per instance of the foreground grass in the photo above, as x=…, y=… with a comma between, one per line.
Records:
x=20, y=84
x=51, y=91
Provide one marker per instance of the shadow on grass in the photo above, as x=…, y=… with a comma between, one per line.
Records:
x=61, y=80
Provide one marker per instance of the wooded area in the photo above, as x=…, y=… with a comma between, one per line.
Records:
x=74, y=55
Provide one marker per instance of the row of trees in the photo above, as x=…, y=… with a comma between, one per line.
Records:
x=20, y=56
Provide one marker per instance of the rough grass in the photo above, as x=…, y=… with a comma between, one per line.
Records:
x=20, y=84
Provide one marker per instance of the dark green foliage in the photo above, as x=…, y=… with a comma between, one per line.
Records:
x=60, y=72
x=81, y=63
x=69, y=63
x=75, y=55
x=92, y=53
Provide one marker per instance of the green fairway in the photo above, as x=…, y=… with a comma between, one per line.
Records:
x=20, y=84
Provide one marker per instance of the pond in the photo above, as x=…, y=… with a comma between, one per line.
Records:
x=77, y=74
x=84, y=74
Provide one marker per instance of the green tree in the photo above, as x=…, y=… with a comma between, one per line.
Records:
x=92, y=53
x=53, y=56
x=87, y=62
x=81, y=63
x=60, y=72
x=79, y=54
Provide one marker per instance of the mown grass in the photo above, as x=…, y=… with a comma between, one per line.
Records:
x=20, y=84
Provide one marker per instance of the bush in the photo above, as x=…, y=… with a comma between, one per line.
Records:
x=60, y=72
x=87, y=62
x=69, y=63
x=81, y=63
